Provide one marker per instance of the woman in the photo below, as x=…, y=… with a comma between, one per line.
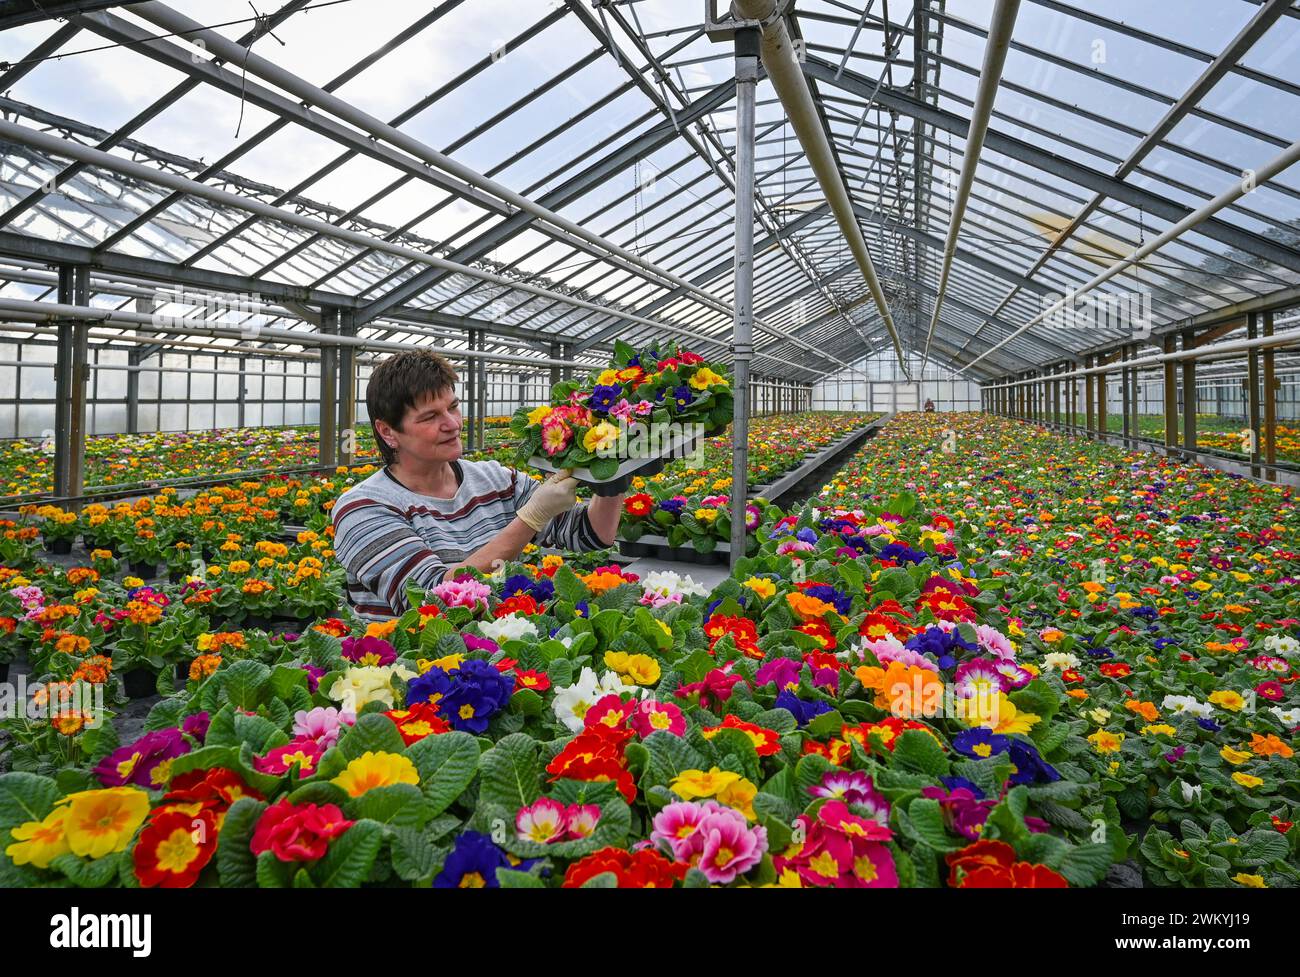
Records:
x=426, y=513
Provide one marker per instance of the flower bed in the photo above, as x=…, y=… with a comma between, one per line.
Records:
x=27, y=465
x=937, y=684
x=1212, y=431
x=690, y=505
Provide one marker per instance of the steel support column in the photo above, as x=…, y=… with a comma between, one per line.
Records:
x=347, y=392
x=1170, y=391
x=1189, y=393
x=469, y=399
x=70, y=375
x=747, y=53
x=1089, y=400
x=1252, y=392
x=480, y=411
x=329, y=388
x=1126, y=408
x=1136, y=423
x=1270, y=384
x=1101, y=404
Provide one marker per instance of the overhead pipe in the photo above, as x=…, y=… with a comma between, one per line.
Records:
x=164, y=178
x=1250, y=180
x=161, y=15
x=995, y=56
x=791, y=87
x=1291, y=338
x=54, y=311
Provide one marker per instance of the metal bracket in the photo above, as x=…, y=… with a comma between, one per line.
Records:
x=723, y=27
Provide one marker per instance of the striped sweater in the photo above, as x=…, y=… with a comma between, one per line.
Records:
x=388, y=537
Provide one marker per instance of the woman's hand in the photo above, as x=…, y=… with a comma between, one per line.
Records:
x=555, y=496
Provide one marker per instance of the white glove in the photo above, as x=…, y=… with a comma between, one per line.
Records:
x=556, y=495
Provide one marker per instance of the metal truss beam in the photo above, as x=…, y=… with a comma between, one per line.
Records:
x=1038, y=158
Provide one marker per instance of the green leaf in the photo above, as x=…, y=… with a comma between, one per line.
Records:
x=87, y=873
x=397, y=805
x=605, y=880
x=527, y=702
x=273, y=873
x=319, y=792
x=669, y=756
x=348, y=862
x=1038, y=698
x=1086, y=865
x=236, y=864
x=603, y=469
x=1006, y=822
x=286, y=678
x=568, y=587
x=827, y=724
x=258, y=732
x=447, y=763
x=25, y=797
x=917, y=750
x=897, y=581
x=245, y=682
x=737, y=744
x=414, y=855
x=694, y=666
x=509, y=878
x=510, y=772
x=925, y=817
x=372, y=733
x=1264, y=847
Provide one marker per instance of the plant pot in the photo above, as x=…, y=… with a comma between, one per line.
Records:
x=258, y=621
x=139, y=683
x=62, y=546
x=182, y=671
x=4, y=672
x=145, y=571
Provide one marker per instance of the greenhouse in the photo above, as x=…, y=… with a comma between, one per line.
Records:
x=649, y=443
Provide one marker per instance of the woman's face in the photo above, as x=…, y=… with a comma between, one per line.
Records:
x=430, y=431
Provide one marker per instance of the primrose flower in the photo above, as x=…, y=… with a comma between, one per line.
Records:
x=323, y=724
x=371, y=770
x=512, y=627
x=657, y=717
x=715, y=839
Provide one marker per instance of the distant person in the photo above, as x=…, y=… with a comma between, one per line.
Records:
x=426, y=513
x=929, y=406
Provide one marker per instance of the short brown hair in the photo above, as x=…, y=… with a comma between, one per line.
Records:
x=399, y=383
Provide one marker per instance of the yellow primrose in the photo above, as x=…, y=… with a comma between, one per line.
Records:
x=1235, y=757
x=40, y=842
x=1104, y=741
x=600, y=437
x=690, y=784
x=101, y=822
x=761, y=586
x=1227, y=699
x=371, y=770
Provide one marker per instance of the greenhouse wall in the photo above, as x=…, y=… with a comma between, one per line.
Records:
x=876, y=383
